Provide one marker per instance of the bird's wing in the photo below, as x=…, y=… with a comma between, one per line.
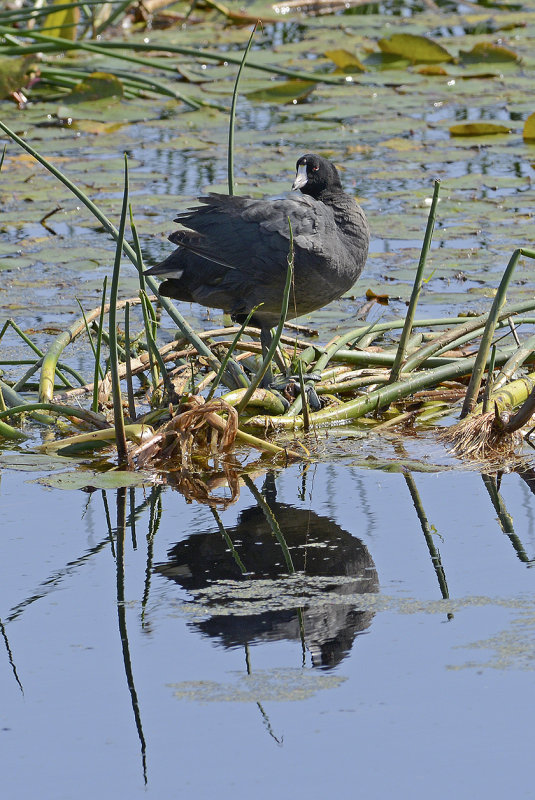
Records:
x=253, y=236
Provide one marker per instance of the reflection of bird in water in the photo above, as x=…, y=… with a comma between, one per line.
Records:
x=318, y=548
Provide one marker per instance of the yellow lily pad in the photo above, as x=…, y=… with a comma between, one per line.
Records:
x=345, y=60
x=286, y=92
x=529, y=128
x=432, y=69
x=478, y=129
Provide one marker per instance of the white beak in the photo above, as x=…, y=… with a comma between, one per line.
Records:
x=301, y=177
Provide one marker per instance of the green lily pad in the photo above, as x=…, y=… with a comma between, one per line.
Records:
x=33, y=462
x=286, y=92
x=489, y=53
x=415, y=48
x=14, y=74
x=83, y=479
x=97, y=86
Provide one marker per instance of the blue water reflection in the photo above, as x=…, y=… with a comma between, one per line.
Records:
x=151, y=643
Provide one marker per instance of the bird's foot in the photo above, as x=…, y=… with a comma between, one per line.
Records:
x=288, y=387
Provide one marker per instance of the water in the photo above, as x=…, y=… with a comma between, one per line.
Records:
x=287, y=683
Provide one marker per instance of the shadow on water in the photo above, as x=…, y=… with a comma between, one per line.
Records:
x=271, y=541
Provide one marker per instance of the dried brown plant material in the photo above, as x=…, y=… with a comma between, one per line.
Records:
x=202, y=490
x=188, y=428
x=482, y=436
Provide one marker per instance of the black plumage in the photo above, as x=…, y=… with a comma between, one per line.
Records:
x=233, y=252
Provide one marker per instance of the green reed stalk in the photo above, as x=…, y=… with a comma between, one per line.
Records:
x=277, y=335
x=122, y=451
x=149, y=319
x=272, y=522
x=454, y=336
x=230, y=544
x=98, y=348
x=56, y=43
x=235, y=374
x=328, y=353
x=37, y=351
x=379, y=398
x=416, y=289
x=217, y=379
x=488, y=385
x=13, y=399
x=89, y=334
x=230, y=154
x=115, y=14
x=128, y=366
x=492, y=319
x=516, y=360
x=65, y=411
x=7, y=432
x=147, y=323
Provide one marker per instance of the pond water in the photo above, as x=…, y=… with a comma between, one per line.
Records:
x=144, y=661
x=361, y=623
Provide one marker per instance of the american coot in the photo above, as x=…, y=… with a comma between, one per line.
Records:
x=233, y=253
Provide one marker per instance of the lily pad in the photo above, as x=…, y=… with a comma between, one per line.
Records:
x=286, y=92
x=489, y=53
x=478, y=129
x=415, y=48
x=83, y=479
x=529, y=128
x=14, y=74
x=345, y=61
x=97, y=86
x=33, y=462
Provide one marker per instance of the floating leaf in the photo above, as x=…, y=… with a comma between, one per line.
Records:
x=433, y=69
x=95, y=126
x=97, y=86
x=385, y=61
x=85, y=479
x=488, y=52
x=345, y=60
x=287, y=92
x=529, y=128
x=33, y=462
x=399, y=143
x=415, y=48
x=478, y=129
x=63, y=22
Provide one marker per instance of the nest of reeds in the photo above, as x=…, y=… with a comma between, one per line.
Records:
x=483, y=437
x=361, y=373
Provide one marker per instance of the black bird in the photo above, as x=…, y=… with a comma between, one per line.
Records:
x=233, y=253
